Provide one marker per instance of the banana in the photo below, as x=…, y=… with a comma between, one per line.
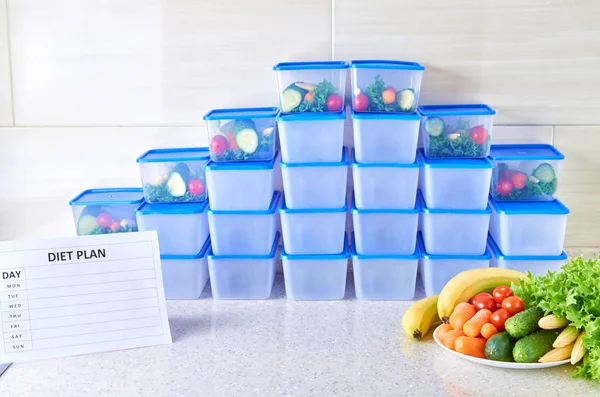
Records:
x=465, y=285
x=422, y=314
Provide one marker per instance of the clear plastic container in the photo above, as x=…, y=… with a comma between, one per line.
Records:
x=313, y=231
x=385, y=185
x=457, y=130
x=384, y=276
x=242, y=276
x=525, y=172
x=454, y=232
x=182, y=228
x=385, y=231
x=184, y=276
x=242, y=134
x=311, y=86
x=537, y=265
x=385, y=86
x=244, y=232
x=535, y=228
x=456, y=183
x=241, y=186
x=317, y=137
x=103, y=211
x=315, y=277
x=314, y=184
x=385, y=138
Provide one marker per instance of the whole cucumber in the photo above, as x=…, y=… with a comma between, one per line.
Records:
x=524, y=323
x=532, y=347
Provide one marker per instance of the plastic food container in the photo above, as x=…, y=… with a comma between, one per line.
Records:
x=537, y=265
x=182, y=228
x=242, y=276
x=311, y=86
x=385, y=86
x=385, y=231
x=385, y=185
x=315, y=277
x=456, y=183
x=385, y=138
x=454, y=231
x=529, y=228
x=525, y=172
x=314, y=184
x=457, y=130
x=184, y=276
x=437, y=270
x=242, y=134
x=103, y=211
x=313, y=231
x=385, y=276
x=174, y=175
x=244, y=232
x=317, y=137
x=240, y=186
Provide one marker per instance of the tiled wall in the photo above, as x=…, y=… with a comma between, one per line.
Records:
x=87, y=85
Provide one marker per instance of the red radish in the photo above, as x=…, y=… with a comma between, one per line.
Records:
x=388, y=95
x=115, y=227
x=519, y=180
x=361, y=102
x=104, y=219
x=479, y=134
x=218, y=144
x=196, y=187
x=334, y=102
x=504, y=187
x=232, y=143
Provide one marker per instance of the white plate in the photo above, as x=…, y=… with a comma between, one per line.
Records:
x=499, y=364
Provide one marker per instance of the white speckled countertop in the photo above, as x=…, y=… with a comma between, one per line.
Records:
x=284, y=348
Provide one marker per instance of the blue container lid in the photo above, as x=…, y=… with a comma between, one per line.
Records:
x=425, y=255
x=343, y=163
x=110, y=196
x=355, y=210
x=241, y=165
x=272, y=208
x=285, y=210
x=499, y=255
x=383, y=64
x=241, y=113
x=354, y=164
x=342, y=255
x=384, y=116
x=429, y=162
x=199, y=255
x=555, y=207
x=525, y=152
x=271, y=255
x=174, y=155
x=171, y=208
x=456, y=110
x=312, y=116
x=421, y=200
x=356, y=255
x=311, y=65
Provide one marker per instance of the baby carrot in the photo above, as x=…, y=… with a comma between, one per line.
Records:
x=442, y=331
x=472, y=327
x=461, y=314
x=451, y=337
x=470, y=346
x=488, y=330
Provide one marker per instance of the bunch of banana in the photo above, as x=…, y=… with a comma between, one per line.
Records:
x=419, y=318
x=568, y=344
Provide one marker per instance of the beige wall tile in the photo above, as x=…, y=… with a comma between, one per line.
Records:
x=534, y=61
x=505, y=134
x=6, y=117
x=578, y=187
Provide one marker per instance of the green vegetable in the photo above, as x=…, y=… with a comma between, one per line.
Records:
x=573, y=293
x=544, y=173
x=319, y=101
x=176, y=185
x=86, y=224
x=462, y=146
x=500, y=347
x=406, y=100
x=264, y=151
x=376, y=103
x=246, y=136
x=532, y=347
x=291, y=98
x=434, y=126
x=524, y=323
x=532, y=191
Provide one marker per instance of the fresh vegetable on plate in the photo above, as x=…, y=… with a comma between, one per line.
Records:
x=499, y=347
x=455, y=139
x=301, y=97
x=379, y=97
x=178, y=185
x=532, y=347
x=520, y=183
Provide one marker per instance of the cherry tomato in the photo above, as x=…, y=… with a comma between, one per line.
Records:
x=498, y=318
x=519, y=180
x=334, y=102
x=479, y=134
x=196, y=187
x=115, y=227
x=231, y=141
x=218, y=144
x=388, y=95
x=501, y=292
x=504, y=187
x=309, y=97
x=361, y=102
x=498, y=305
x=484, y=300
x=513, y=305
x=104, y=219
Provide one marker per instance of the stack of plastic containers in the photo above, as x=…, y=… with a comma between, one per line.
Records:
x=527, y=228
x=314, y=167
x=454, y=182
x=385, y=169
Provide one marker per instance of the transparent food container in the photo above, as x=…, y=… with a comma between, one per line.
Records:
x=311, y=86
x=182, y=228
x=103, y=211
x=174, y=175
x=457, y=130
x=525, y=172
x=242, y=134
x=385, y=86
x=184, y=276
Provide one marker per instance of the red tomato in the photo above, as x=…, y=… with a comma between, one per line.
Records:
x=104, y=219
x=334, y=102
x=388, y=95
x=309, y=97
x=498, y=318
x=115, y=227
x=218, y=144
x=504, y=187
x=513, y=305
x=501, y=292
x=479, y=134
x=361, y=102
x=484, y=300
x=196, y=187
x=519, y=180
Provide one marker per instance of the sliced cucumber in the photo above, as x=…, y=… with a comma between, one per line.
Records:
x=545, y=173
x=247, y=140
x=406, y=99
x=176, y=185
x=86, y=225
x=291, y=98
x=434, y=126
